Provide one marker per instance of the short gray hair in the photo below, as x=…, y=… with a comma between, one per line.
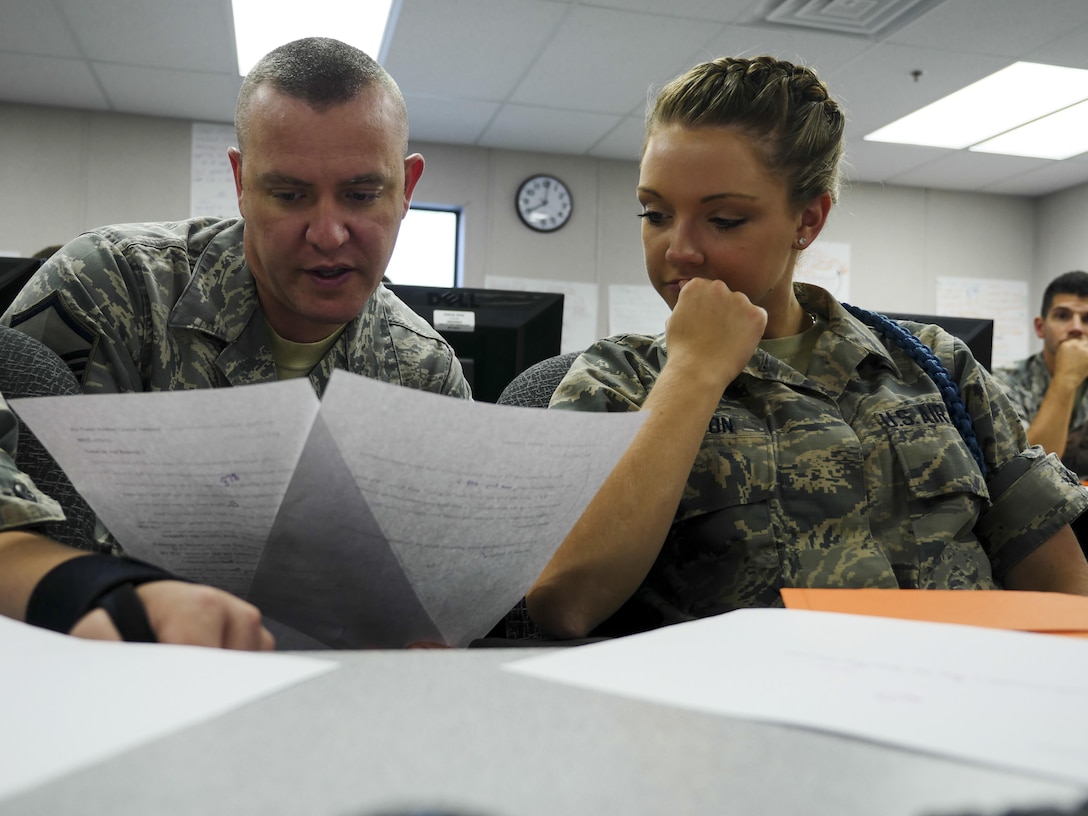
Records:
x=320, y=71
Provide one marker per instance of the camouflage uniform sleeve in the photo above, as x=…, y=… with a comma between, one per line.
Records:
x=21, y=503
x=612, y=375
x=1032, y=494
x=1010, y=381
x=413, y=354
x=80, y=303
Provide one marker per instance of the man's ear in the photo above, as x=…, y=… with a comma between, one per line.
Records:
x=235, y=156
x=812, y=217
x=413, y=169
x=1039, y=327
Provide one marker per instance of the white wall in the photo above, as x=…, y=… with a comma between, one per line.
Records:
x=1063, y=237
x=64, y=171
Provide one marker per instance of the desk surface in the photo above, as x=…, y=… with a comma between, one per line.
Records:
x=398, y=732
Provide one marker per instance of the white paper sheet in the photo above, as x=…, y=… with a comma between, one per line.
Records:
x=1009, y=699
x=211, y=180
x=376, y=517
x=636, y=310
x=69, y=702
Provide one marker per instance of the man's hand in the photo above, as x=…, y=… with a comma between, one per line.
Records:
x=191, y=614
x=1071, y=361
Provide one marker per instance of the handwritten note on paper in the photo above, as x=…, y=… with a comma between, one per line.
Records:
x=1010, y=699
x=374, y=518
x=636, y=310
x=211, y=181
x=1005, y=301
x=191, y=482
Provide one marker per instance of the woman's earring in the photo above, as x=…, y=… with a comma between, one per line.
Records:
x=802, y=241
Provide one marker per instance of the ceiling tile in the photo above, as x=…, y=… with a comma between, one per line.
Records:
x=877, y=87
x=451, y=121
x=1069, y=50
x=178, y=94
x=548, y=131
x=1048, y=178
x=35, y=27
x=995, y=27
x=818, y=50
x=467, y=49
x=37, y=80
x=623, y=142
x=196, y=34
x=718, y=11
x=978, y=170
x=878, y=162
x=605, y=61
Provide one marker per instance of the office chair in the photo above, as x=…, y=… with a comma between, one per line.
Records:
x=30, y=369
x=532, y=388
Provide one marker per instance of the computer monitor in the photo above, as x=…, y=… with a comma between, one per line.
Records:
x=495, y=333
x=14, y=272
x=976, y=332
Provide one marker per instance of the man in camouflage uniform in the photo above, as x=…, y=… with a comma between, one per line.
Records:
x=291, y=289
x=1049, y=388
x=851, y=475
x=36, y=582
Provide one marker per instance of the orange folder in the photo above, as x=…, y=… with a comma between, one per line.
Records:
x=1051, y=613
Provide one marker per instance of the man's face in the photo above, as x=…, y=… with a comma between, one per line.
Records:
x=323, y=194
x=1066, y=319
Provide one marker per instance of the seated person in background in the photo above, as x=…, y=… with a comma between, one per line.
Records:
x=1049, y=388
x=791, y=440
x=102, y=596
x=291, y=289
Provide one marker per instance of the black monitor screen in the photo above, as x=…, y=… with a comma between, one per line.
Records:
x=976, y=332
x=495, y=333
x=14, y=272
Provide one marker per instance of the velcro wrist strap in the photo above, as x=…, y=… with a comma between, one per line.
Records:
x=128, y=614
x=72, y=589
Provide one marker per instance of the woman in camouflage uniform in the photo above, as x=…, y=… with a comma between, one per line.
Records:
x=792, y=440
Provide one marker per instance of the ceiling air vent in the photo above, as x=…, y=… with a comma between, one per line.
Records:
x=865, y=18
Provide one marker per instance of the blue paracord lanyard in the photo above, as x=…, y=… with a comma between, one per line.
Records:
x=924, y=356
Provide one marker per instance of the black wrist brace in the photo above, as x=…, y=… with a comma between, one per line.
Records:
x=72, y=589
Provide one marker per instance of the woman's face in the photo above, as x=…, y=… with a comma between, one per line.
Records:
x=711, y=209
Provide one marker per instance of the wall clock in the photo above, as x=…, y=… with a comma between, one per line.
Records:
x=543, y=203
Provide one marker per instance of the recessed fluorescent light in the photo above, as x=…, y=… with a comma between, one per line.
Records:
x=261, y=25
x=1020, y=93
x=1059, y=136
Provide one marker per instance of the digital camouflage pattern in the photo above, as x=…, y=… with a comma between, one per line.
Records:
x=21, y=503
x=851, y=476
x=1026, y=383
x=171, y=306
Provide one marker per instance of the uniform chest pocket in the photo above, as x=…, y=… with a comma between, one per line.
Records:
x=733, y=472
x=936, y=462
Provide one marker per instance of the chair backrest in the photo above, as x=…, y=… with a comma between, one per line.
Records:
x=30, y=369
x=533, y=387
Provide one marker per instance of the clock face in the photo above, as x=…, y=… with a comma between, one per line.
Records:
x=544, y=203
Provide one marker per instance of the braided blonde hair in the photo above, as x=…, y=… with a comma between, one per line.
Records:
x=784, y=108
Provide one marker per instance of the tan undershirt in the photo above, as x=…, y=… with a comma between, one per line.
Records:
x=298, y=359
x=796, y=350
